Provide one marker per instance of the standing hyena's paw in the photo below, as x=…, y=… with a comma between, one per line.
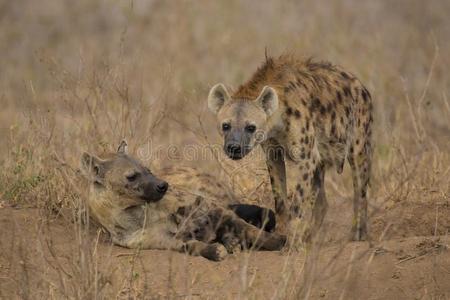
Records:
x=297, y=235
x=359, y=233
x=215, y=252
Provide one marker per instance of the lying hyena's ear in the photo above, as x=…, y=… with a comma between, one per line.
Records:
x=268, y=100
x=92, y=167
x=218, y=96
x=123, y=147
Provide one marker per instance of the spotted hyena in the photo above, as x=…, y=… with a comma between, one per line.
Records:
x=307, y=116
x=140, y=210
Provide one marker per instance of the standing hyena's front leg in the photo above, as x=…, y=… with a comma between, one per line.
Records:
x=277, y=172
x=306, y=193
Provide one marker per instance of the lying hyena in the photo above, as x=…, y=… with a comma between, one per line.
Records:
x=140, y=210
x=307, y=116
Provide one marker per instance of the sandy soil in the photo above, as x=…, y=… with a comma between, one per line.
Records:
x=405, y=260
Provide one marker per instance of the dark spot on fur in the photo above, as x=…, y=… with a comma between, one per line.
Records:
x=306, y=140
x=333, y=129
x=345, y=75
x=315, y=105
x=339, y=96
x=289, y=111
x=347, y=111
x=305, y=176
x=303, y=130
x=317, y=178
x=347, y=91
x=333, y=116
x=363, y=193
x=297, y=113
x=365, y=94
x=323, y=110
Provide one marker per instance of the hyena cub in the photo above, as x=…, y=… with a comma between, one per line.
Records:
x=307, y=116
x=137, y=208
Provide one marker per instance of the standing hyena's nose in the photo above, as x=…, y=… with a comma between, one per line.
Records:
x=234, y=150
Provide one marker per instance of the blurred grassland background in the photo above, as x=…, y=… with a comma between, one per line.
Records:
x=82, y=75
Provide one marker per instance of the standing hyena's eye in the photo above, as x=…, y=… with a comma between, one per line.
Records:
x=250, y=128
x=226, y=126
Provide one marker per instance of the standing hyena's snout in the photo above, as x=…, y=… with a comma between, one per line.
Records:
x=237, y=144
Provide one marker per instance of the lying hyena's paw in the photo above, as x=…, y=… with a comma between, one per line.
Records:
x=232, y=244
x=216, y=252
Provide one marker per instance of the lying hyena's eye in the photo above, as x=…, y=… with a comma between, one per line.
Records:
x=250, y=128
x=226, y=126
x=132, y=177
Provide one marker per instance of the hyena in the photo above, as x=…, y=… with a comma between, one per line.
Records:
x=307, y=116
x=139, y=209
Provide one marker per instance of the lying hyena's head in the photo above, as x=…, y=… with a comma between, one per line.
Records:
x=125, y=176
x=242, y=122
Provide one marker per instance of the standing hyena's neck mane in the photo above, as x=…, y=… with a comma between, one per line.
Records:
x=283, y=73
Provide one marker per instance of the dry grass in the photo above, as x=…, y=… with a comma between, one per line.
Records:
x=81, y=75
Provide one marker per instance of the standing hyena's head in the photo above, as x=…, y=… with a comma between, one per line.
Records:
x=124, y=176
x=242, y=122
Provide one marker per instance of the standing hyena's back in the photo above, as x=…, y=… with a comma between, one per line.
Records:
x=330, y=101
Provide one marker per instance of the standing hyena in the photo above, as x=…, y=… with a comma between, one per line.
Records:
x=307, y=116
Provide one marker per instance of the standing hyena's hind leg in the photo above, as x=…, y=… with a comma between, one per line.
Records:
x=360, y=161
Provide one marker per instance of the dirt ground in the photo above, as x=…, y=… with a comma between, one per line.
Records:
x=405, y=260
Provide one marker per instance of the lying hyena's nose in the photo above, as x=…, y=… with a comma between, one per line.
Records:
x=162, y=187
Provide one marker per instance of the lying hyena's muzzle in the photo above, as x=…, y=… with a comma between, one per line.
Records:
x=154, y=190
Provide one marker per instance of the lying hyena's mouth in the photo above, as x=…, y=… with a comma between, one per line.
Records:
x=152, y=198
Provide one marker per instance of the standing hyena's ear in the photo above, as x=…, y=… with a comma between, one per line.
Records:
x=123, y=147
x=268, y=100
x=218, y=96
x=92, y=167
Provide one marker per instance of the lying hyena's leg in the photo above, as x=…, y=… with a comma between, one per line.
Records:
x=260, y=239
x=360, y=157
x=277, y=172
x=214, y=251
